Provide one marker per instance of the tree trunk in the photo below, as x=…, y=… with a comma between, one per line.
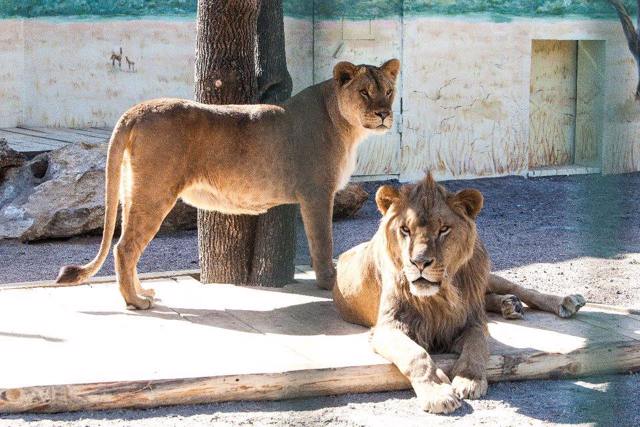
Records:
x=225, y=74
x=274, y=246
x=243, y=249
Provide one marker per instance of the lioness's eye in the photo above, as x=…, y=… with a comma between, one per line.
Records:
x=364, y=93
x=405, y=230
x=389, y=92
x=444, y=230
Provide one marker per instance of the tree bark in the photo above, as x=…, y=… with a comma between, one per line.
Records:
x=632, y=34
x=225, y=74
x=243, y=249
x=274, y=246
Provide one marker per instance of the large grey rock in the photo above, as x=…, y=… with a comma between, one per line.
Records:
x=349, y=200
x=61, y=194
x=9, y=158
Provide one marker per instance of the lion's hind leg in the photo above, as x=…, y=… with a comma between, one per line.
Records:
x=509, y=306
x=147, y=292
x=562, y=306
x=570, y=305
x=142, y=217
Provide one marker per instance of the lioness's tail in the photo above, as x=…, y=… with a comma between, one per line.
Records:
x=74, y=274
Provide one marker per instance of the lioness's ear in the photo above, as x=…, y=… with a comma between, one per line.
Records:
x=391, y=67
x=344, y=72
x=470, y=200
x=385, y=196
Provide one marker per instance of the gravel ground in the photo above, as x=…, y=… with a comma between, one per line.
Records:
x=559, y=234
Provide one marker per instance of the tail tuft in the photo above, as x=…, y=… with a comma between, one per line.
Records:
x=70, y=275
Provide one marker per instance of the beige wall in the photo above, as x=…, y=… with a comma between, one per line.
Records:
x=58, y=73
x=12, y=82
x=465, y=83
x=467, y=101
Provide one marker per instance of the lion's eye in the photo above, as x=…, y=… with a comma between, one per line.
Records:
x=389, y=92
x=364, y=93
x=444, y=230
x=405, y=230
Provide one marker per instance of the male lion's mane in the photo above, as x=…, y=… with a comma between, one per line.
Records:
x=434, y=322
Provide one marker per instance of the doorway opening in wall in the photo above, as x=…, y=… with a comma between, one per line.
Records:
x=566, y=107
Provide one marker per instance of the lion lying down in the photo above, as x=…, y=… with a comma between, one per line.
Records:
x=423, y=283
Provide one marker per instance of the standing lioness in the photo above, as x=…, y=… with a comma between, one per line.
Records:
x=238, y=159
x=422, y=282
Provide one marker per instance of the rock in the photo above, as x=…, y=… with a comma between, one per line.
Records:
x=61, y=194
x=348, y=201
x=9, y=158
x=181, y=217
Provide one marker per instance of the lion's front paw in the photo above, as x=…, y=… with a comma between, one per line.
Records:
x=512, y=307
x=437, y=398
x=570, y=305
x=467, y=388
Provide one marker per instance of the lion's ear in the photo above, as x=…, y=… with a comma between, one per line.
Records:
x=344, y=72
x=385, y=196
x=391, y=67
x=470, y=200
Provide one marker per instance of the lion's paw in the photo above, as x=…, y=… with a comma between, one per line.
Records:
x=466, y=388
x=151, y=293
x=326, y=281
x=570, y=305
x=144, y=303
x=512, y=307
x=437, y=398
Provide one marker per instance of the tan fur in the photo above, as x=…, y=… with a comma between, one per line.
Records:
x=238, y=159
x=374, y=289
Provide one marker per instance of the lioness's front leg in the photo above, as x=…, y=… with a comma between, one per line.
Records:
x=562, y=306
x=433, y=388
x=316, y=213
x=470, y=370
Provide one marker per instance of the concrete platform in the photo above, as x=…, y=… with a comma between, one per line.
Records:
x=74, y=348
x=34, y=140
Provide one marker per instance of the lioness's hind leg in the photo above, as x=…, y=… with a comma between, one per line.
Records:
x=140, y=290
x=141, y=222
x=508, y=305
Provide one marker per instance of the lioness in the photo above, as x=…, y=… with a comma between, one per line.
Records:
x=238, y=159
x=421, y=283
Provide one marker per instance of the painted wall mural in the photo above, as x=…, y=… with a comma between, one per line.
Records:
x=478, y=97
x=325, y=9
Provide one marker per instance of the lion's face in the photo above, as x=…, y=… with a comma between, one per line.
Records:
x=430, y=232
x=365, y=93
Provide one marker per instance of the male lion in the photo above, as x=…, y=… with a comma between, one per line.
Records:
x=421, y=283
x=238, y=159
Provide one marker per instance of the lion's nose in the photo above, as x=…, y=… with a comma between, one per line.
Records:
x=383, y=114
x=422, y=262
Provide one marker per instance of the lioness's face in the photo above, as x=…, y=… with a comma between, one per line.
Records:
x=365, y=93
x=431, y=231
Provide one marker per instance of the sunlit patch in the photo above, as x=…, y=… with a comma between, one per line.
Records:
x=602, y=387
